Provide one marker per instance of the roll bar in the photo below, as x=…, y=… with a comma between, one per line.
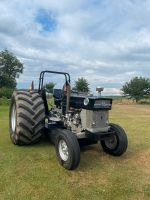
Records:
x=67, y=78
x=41, y=79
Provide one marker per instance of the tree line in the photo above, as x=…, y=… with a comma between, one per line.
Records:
x=11, y=67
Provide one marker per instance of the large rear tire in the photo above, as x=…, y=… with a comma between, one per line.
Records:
x=26, y=117
x=116, y=144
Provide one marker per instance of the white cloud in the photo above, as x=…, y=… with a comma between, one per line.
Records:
x=107, y=42
x=111, y=91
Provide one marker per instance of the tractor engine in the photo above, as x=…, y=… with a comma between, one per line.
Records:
x=87, y=113
x=72, y=120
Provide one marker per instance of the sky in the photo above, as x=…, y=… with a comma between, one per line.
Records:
x=105, y=41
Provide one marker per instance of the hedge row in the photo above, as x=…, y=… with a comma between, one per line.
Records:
x=4, y=101
x=6, y=92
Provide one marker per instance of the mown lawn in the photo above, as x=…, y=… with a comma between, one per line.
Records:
x=33, y=172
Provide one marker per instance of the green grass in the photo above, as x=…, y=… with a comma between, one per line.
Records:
x=32, y=172
x=126, y=100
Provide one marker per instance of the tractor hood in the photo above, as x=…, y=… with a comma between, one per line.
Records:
x=79, y=101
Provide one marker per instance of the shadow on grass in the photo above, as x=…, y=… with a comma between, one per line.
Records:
x=44, y=142
x=92, y=156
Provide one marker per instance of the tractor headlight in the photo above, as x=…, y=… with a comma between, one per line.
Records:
x=86, y=101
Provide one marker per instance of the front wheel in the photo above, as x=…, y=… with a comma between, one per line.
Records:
x=67, y=149
x=115, y=144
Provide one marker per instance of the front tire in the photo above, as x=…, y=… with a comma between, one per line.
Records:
x=115, y=144
x=67, y=149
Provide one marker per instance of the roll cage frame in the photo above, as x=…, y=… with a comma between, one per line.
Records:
x=67, y=79
x=41, y=79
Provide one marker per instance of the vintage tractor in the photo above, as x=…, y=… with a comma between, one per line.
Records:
x=75, y=119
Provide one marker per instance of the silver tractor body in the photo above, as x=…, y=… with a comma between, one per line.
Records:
x=87, y=114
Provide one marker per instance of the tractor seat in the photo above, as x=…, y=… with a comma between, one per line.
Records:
x=57, y=94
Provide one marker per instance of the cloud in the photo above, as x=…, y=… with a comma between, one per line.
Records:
x=106, y=42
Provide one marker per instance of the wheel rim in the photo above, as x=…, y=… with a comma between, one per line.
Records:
x=111, y=142
x=13, y=118
x=63, y=150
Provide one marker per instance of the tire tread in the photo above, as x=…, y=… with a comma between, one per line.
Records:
x=30, y=117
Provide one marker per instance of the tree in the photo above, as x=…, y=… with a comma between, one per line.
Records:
x=10, y=69
x=137, y=88
x=6, y=92
x=49, y=86
x=81, y=85
x=7, y=82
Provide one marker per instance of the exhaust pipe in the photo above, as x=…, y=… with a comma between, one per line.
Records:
x=68, y=97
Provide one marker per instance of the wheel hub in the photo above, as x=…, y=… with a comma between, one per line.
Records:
x=63, y=150
x=13, y=118
x=111, y=142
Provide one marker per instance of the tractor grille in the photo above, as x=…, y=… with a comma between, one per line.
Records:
x=94, y=119
x=99, y=119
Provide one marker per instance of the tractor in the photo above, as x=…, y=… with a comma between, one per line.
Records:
x=75, y=119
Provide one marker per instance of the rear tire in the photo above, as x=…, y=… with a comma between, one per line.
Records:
x=67, y=149
x=116, y=144
x=26, y=118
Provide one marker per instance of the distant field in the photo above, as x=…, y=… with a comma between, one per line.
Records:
x=126, y=101
x=32, y=173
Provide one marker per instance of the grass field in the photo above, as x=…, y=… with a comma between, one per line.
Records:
x=30, y=173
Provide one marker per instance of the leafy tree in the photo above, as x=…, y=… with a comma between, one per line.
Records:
x=49, y=86
x=7, y=82
x=81, y=85
x=10, y=68
x=137, y=88
x=6, y=92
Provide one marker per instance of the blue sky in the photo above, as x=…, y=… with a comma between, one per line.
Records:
x=105, y=41
x=46, y=19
